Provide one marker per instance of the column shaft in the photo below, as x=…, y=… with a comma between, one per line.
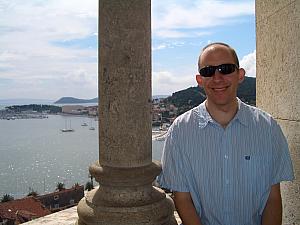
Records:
x=125, y=83
x=125, y=170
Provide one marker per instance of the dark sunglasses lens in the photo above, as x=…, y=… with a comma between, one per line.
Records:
x=226, y=68
x=207, y=71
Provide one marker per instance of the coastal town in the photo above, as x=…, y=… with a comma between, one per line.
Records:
x=163, y=114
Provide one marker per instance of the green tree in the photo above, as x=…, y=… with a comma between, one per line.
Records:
x=32, y=192
x=76, y=185
x=60, y=186
x=89, y=186
x=7, y=198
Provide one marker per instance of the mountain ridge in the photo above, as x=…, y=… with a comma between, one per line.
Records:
x=73, y=100
x=69, y=100
x=186, y=98
x=193, y=96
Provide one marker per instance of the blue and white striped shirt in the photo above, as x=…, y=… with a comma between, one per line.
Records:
x=228, y=172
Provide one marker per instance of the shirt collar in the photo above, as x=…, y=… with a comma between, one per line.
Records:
x=241, y=113
x=205, y=118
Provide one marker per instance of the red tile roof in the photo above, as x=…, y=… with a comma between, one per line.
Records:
x=62, y=199
x=22, y=210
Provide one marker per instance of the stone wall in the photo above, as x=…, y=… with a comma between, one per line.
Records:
x=278, y=82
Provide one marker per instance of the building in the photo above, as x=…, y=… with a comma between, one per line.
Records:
x=92, y=110
x=63, y=199
x=74, y=109
x=21, y=210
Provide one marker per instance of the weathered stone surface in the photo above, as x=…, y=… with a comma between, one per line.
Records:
x=159, y=212
x=125, y=83
x=278, y=83
x=278, y=57
x=67, y=217
x=263, y=9
x=125, y=170
x=123, y=177
x=291, y=190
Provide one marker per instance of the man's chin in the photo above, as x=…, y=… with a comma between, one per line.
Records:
x=221, y=101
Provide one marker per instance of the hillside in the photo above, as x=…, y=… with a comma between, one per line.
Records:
x=71, y=100
x=35, y=107
x=193, y=96
x=188, y=98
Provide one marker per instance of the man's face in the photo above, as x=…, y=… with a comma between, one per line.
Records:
x=221, y=90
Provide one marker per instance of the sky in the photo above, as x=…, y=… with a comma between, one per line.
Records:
x=48, y=48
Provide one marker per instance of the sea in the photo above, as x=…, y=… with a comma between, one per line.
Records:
x=35, y=155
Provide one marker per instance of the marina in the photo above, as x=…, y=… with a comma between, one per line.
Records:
x=36, y=154
x=13, y=116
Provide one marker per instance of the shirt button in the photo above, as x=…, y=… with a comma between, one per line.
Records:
x=226, y=156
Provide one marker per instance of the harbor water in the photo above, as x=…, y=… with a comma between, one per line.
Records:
x=36, y=155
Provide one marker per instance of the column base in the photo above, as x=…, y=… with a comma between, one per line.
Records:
x=157, y=213
x=120, y=203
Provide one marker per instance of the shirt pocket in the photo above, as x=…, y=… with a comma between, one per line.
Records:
x=255, y=171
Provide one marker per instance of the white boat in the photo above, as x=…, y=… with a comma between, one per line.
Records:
x=91, y=126
x=159, y=135
x=67, y=129
x=84, y=124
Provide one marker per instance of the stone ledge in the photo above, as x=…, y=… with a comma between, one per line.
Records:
x=66, y=217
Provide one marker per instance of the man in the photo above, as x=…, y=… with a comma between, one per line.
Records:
x=224, y=160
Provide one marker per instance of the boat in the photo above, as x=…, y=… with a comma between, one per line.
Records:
x=91, y=126
x=159, y=135
x=84, y=124
x=164, y=126
x=67, y=129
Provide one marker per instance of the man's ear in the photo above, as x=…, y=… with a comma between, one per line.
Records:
x=242, y=73
x=199, y=80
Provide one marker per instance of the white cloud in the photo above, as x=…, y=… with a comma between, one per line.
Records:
x=159, y=47
x=29, y=57
x=165, y=82
x=248, y=62
x=55, y=19
x=32, y=65
x=179, y=18
x=169, y=44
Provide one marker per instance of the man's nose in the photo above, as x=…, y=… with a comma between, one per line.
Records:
x=218, y=76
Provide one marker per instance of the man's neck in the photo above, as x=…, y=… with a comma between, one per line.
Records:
x=222, y=114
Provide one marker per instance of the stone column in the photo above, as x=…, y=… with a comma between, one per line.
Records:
x=278, y=83
x=125, y=170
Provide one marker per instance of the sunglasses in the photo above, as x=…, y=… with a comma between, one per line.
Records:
x=224, y=69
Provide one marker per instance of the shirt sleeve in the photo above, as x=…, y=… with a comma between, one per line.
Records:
x=283, y=168
x=173, y=173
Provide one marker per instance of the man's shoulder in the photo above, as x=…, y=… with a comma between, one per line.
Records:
x=187, y=117
x=256, y=115
x=184, y=125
